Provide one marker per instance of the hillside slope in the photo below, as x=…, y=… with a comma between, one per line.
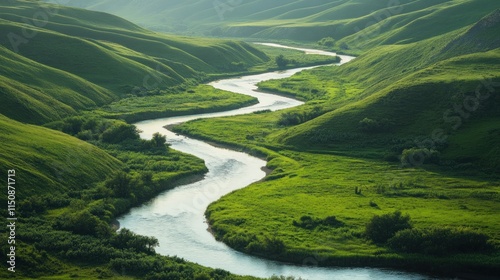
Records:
x=411, y=91
x=409, y=126
x=48, y=161
x=355, y=24
x=49, y=57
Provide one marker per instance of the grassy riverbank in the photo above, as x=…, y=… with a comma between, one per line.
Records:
x=322, y=184
x=378, y=135
x=67, y=88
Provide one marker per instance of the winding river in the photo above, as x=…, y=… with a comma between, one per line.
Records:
x=176, y=217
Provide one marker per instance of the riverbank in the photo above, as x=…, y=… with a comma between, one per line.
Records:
x=330, y=179
x=182, y=209
x=453, y=266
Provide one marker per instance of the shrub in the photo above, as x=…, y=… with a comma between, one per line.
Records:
x=382, y=228
x=419, y=156
x=126, y=239
x=327, y=42
x=84, y=223
x=281, y=61
x=308, y=222
x=368, y=125
x=159, y=140
x=120, y=183
x=295, y=118
x=119, y=132
x=440, y=241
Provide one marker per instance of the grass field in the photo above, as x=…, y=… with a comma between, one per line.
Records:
x=427, y=69
x=351, y=161
x=354, y=25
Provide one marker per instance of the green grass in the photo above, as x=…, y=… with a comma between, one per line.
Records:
x=297, y=58
x=411, y=86
x=59, y=177
x=199, y=99
x=52, y=66
x=318, y=164
x=323, y=184
x=35, y=93
x=48, y=161
x=359, y=25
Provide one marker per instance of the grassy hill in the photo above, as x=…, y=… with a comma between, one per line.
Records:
x=411, y=126
x=425, y=86
x=60, y=64
x=413, y=89
x=354, y=24
x=49, y=59
x=48, y=161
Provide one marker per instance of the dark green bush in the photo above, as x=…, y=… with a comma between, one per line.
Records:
x=281, y=61
x=327, y=42
x=308, y=222
x=295, y=118
x=83, y=222
x=419, y=156
x=440, y=241
x=120, y=183
x=382, y=228
x=126, y=239
x=368, y=125
x=119, y=133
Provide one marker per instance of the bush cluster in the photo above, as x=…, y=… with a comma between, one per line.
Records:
x=295, y=118
x=395, y=231
x=368, y=125
x=419, y=156
x=382, y=228
x=440, y=241
x=327, y=42
x=308, y=222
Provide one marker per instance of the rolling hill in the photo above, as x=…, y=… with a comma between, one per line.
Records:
x=49, y=59
x=411, y=125
x=443, y=83
x=48, y=161
x=58, y=64
x=354, y=24
x=427, y=79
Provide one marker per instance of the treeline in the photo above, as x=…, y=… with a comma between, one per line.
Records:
x=108, y=131
x=295, y=117
x=396, y=231
x=46, y=250
x=427, y=249
x=77, y=226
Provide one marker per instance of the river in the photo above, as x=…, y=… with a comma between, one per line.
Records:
x=176, y=217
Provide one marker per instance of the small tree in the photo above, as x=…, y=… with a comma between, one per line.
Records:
x=327, y=42
x=120, y=184
x=381, y=228
x=119, y=132
x=418, y=156
x=281, y=61
x=159, y=140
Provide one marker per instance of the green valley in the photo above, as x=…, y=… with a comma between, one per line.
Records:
x=353, y=24
x=67, y=78
x=407, y=127
x=392, y=161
